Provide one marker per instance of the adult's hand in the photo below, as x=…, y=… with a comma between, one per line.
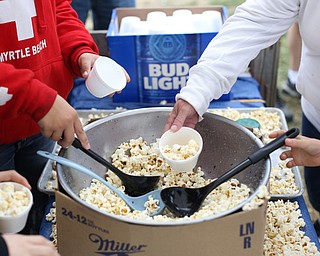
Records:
x=12, y=175
x=29, y=245
x=183, y=114
x=61, y=123
x=304, y=151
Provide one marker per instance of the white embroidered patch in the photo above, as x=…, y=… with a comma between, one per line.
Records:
x=21, y=12
x=4, y=96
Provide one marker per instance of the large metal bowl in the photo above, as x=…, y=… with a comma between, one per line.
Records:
x=225, y=143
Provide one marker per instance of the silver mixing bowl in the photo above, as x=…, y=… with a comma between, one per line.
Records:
x=225, y=143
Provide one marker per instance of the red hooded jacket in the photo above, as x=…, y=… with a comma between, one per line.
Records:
x=41, y=41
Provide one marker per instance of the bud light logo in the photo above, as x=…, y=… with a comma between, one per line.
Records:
x=163, y=63
x=167, y=47
x=115, y=248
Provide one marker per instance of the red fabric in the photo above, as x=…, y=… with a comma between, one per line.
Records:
x=38, y=59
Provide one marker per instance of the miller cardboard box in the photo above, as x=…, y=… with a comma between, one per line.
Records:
x=82, y=231
x=158, y=64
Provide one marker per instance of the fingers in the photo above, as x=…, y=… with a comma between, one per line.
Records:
x=85, y=69
x=67, y=137
x=85, y=74
x=12, y=175
x=276, y=134
x=34, y=245
x=178, y=121
x=291, y=164
x=44, y=246
x=170, y=120
x=82, y=135
x=61, y=124
x=183, y=114
x=86, y=64
x=126, y=74
x=177, y=117
x=86, y=61
x=57, y=135
x=285, y=155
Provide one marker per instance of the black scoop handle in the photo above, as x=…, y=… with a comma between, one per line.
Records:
x=254, y=158
x=273, y=145
x=77, y=144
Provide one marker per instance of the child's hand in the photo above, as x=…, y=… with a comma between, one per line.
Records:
x=11, y=175
x=304, y=151
x=86, y=62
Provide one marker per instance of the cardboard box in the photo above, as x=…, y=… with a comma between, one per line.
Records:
x=158, y=64
x=83, y=231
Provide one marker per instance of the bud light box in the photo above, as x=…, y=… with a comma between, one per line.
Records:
x=84, y=231
x=158, y=48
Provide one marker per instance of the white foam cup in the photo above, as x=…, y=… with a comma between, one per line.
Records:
x=181, y=137
x=106, y=77
x=127, y=25
x=199, y=23
x=140, y=28
x=213, y=20
x=155, y=16
x=183, y=13
x=15, y=223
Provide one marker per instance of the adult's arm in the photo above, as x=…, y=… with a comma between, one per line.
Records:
x=256, y=25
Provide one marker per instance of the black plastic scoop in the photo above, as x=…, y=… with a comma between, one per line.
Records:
x=134, y=185
x=186, y=201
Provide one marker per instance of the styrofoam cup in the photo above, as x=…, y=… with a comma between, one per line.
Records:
x=213, y=20
x=199, y=23
x=127, y=25
x=140, y=28
x=106, y=77
x=14, y=224
x=155, y=16
x=181, y=137
x=183, y=13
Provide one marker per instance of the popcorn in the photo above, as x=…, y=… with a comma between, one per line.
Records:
x=269, y=121
x=282, y=180
x=51, y=216
x=283, y=234
x=262, y=195
x=138, y=158
x=181, y=152
x=12, y=202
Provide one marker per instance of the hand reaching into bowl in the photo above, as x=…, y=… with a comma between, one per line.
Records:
x=183, y=114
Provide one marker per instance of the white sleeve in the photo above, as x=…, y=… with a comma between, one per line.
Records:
x=256, y=24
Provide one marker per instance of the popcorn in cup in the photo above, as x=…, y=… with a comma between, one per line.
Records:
x=181, y=149
x=106, y=77
x=15, y=204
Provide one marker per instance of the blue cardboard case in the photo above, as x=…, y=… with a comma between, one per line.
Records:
x=158, y=65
